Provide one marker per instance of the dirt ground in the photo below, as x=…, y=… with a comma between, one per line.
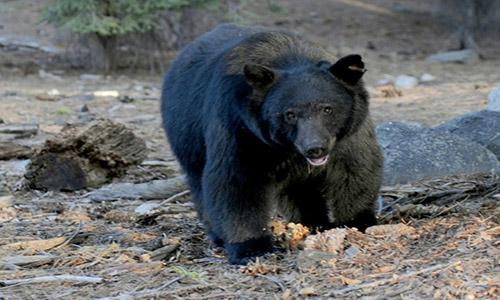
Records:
x=452, y=253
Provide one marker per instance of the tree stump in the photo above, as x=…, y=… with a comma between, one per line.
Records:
x=85, y=157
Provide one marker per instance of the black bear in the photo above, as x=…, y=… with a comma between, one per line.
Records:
x=263, y=121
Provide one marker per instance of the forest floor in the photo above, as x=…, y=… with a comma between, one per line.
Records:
x=451, y=252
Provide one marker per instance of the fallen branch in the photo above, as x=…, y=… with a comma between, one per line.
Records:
x=150, y=216
x=35, y=245
x=19, y=129
x=71, y=237
x=392, y=279
x=27, y=261
x=144, y=293
x=148, y=207
x=172, y=198
x=153, y=190
x=161, y=253
x=274, y=280
x=56, y=278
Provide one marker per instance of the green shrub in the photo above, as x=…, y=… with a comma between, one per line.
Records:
x=105, y=20
x=111, y=17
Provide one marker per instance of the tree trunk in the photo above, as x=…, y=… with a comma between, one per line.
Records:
x=468, y=10
x=102, y=50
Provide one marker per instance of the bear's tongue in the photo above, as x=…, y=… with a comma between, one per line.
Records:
x=317, y=161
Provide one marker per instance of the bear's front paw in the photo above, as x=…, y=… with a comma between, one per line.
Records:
x=244, y=252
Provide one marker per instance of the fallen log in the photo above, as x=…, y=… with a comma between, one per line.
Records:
x=153, y=190
x=19, y=129
x=34, y=245
x=9, y=150
x=85, y=157
x=28, y=261
x=56, y=278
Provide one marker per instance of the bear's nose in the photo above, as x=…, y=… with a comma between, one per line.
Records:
x=316, y=152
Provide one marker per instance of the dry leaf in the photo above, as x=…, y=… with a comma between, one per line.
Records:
x=290, y=236
x=278, y=227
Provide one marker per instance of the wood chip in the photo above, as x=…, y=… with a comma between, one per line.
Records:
x=35, y=245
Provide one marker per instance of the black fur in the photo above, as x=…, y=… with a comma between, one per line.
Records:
x=248, y=112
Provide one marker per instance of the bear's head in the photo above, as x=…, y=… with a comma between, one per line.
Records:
x=311, y=107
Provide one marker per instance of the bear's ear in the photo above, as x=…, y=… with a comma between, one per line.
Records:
x=259, y=76
x=349, y=69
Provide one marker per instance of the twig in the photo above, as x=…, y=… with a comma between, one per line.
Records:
x=389, y=280
x=143, y=293
x=172, y=198
x=71, y=237
x=56, y=278
x=230, y=295
x=273, y=280
x=162, y=252
x=448, y=209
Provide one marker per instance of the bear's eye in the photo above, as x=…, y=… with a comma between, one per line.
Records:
x=290, y=116
x=327, y=110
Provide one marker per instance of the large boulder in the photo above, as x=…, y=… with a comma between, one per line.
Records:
x=482, y=127
x=413, y=152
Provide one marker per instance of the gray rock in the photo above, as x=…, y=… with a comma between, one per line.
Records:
x=426, y=77
x=413, y=153
x=91, y=77
x=46, y=75
x=461, y=56
x=494, y=100
x=405, y=82
x=482, y=127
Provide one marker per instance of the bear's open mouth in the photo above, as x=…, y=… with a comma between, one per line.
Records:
x=318, y=161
